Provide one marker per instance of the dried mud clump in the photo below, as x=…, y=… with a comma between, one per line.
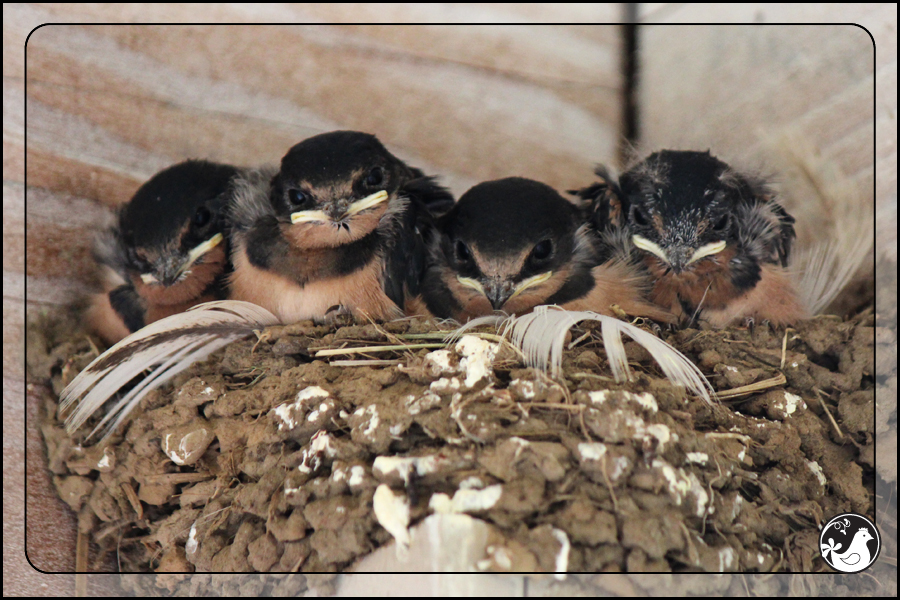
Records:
x=274, y=456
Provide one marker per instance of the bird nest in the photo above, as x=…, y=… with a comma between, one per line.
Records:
x=312, y=446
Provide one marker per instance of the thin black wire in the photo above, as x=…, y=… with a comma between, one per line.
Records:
x=630, y=80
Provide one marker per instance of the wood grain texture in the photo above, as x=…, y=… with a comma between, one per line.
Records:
x=829, y=91
x=744, y=91
x=109, y=105
x=747, y=82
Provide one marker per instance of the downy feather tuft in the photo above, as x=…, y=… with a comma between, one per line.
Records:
x=828, y=205
x=827, y=268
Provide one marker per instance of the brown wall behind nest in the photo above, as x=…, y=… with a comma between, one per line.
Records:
x=771, y=96
x=107, y=106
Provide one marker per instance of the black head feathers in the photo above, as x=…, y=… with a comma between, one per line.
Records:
x=509, y=245
x=683, y=201
x=185, y=199
x=503, y=215
x=332, y=171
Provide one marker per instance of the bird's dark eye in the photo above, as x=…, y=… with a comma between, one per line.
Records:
x=297, y=198
x=463, y=254
x=638, y=216
x=542, y=250
x=722, y=224
x=375, y=177
x=202, y=217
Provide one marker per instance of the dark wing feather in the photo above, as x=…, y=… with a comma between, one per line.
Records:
x=787, y=233
x=129, y=306
x=405, y=257
x=430, y=195
x=603, y=200
x=606, y=210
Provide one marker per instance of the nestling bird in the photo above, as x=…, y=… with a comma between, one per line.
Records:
x=335, y=229
x=513, y=244
x=167, y=251
x=714, y=241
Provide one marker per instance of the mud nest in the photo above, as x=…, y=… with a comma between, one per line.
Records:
x=267, y=456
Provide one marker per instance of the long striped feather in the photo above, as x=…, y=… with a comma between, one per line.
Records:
x=165, y=348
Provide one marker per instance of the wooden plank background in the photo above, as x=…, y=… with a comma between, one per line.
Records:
x=826, y=94
x=748, y=92
x=107, y=106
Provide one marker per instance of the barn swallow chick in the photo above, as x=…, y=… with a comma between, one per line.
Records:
x=513, y=244
x=337, y=228
x=713, y=240
x=167, y=251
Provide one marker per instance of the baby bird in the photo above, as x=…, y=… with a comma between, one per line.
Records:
x=167, y=251
x=714, y=241
x=336, y=229
x=513, y=244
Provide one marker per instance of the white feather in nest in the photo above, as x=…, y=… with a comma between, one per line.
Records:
x=826, y=269
x=835, y=221
x=165, y=348
x=541, y=336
